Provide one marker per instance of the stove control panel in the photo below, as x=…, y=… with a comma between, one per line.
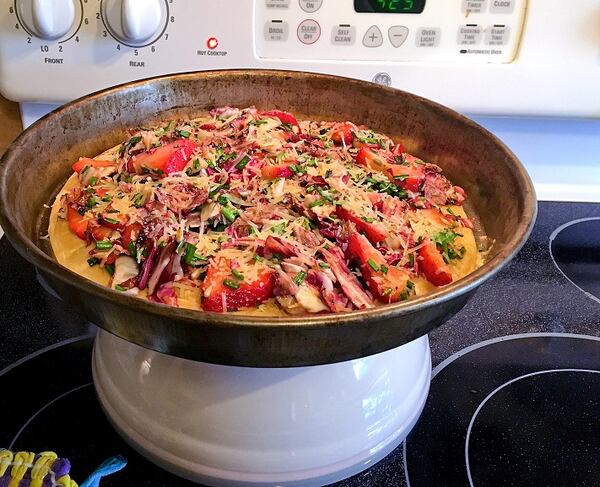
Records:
x=467, y=31
x=498, y=57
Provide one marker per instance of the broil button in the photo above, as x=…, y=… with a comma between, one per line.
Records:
x=276, y=31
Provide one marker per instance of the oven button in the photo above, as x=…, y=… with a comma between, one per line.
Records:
x=428, y=36
x=277, y=4
x=474, y=6
x=502, y=6
x=468, y=35
x=310, y=6
x=276, y=31
x=309, y=31
x=373, y=37
x=397, y=35
x=343, y=35
x=497, y=35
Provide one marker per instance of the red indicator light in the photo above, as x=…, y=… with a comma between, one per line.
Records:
x=212, y=42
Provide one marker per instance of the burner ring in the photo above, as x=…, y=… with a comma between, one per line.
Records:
x=493, y=393
x=580, y=268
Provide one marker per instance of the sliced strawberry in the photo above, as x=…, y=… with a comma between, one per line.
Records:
x=387, y=283
x=99, y=231
x=78, y=224
x=432, y=265
x=130, y=233
x=369, y=158
x=284, y=117
x=408, y=177
x=116, y=221
x=342, y=133
x=84, y=162
x=277, y=171
x=375, y=231
x=168, y=158
x=215, y=288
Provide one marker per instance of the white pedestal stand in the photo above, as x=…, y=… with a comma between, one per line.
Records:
x=223, y=425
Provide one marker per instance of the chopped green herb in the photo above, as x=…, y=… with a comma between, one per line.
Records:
x=180, y=246
x=288, y=126
x=183, y=133
x=237, y=274
x=243, y=163
x=138, y=200
x=104, y=245
x=325, y=195
x=110, y=268
x=384, y=268
x=404, y=295
x=229, y=213
x=299, y=278
x=257, y=122
x=93, y=180
x=411, y=260
x=258, y=258
x=231, y=284
x=107, y=198
x=279, y=228
x=191, y=257
x=373, y=265
x=112, y=221
x=111, y=210
x=368, y=219
x=93, y=261
x=324, y=265
x=410, y=285
x=319, y=202
x=444, y=241
x=120, y=288
x=131, y=248
x=223, y=200
x=401, y=177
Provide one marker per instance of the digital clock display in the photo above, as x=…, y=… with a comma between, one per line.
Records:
x=390, y=6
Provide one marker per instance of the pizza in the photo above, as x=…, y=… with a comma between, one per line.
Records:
x=257, y=212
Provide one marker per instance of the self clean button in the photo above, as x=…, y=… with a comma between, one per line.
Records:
x=343, y=35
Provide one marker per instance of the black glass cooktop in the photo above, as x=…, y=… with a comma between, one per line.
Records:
x=514, y=400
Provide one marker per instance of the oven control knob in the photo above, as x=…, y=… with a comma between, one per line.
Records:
x=134, y=22
x=47, y=19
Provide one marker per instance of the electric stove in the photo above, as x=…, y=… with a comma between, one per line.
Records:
x=514, y=397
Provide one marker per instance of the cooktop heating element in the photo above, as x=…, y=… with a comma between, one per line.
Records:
x=514, y=400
